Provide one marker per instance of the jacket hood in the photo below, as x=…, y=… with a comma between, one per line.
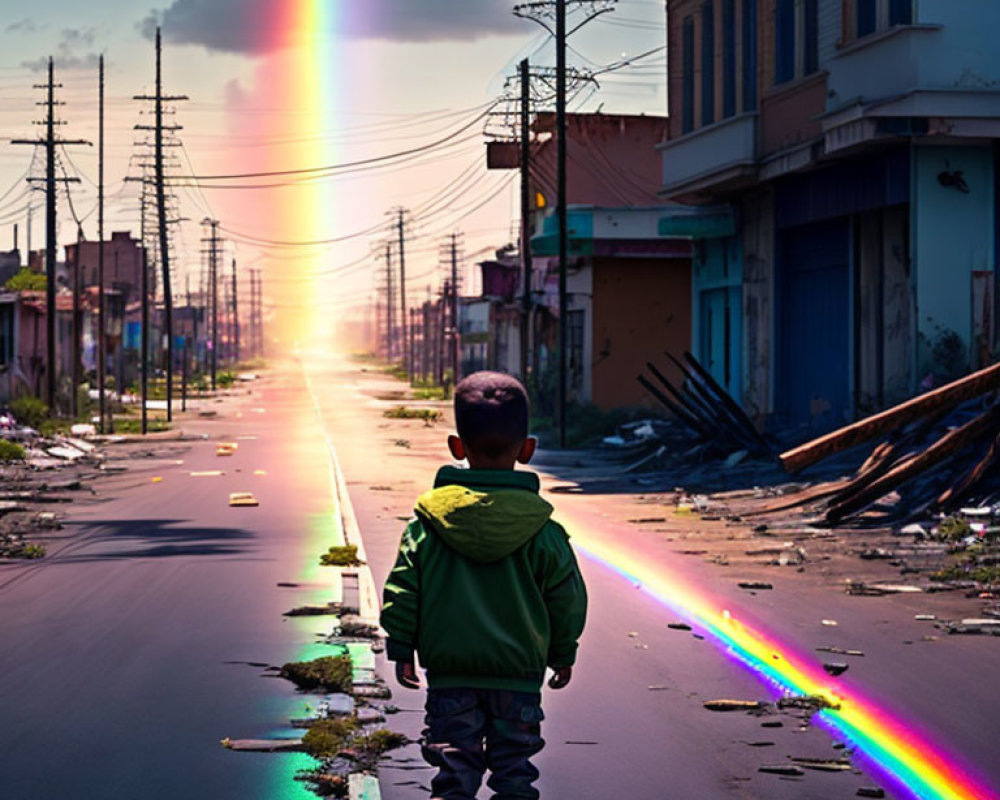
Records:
x=483, y=524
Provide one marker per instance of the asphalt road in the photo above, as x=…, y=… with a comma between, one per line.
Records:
x=120, y=665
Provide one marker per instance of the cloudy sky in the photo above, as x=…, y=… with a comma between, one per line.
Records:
x=408, y=72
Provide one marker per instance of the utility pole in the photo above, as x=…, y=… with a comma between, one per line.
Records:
x=413, y=349
x=144, y=337
x=194, y=320
x=527, y=10
x=561, y=210
x=77, y=325
x=49, y=143
x=236, y=320
x=454, y=309
x=213, y=284
x=525, y=222
x=252, y=329
x=389, y=301
x=161, y=210
x=402, y=279
x=102, y=330
x=426, y=365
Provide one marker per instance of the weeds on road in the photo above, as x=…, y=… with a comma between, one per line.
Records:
x=326, y=674
x=428, y=415
x=10, y=451
x=341, y=556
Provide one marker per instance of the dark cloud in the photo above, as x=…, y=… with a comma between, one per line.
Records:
x=68, y=55
x=247, y=26
x=23, y=26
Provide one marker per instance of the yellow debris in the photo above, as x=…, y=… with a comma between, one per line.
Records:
x=211, y=473
x=157, y=480
x=260, y=472
x=238, y=499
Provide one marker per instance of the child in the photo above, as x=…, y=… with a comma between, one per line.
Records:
x=487, y=591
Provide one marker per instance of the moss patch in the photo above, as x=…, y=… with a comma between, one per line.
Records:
x=10, y=451
x=341, y=556
x=324, y=784
x=428, y=415
x=954, y=529
x=327, y=738
x=327, y=674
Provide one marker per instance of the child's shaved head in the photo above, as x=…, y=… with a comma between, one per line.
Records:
x=491, y=413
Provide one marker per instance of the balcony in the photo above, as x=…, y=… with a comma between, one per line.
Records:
x=717, y=157
x=889, y=64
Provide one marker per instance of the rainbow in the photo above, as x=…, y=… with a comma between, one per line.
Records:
x=298, y=100
x=892, y=750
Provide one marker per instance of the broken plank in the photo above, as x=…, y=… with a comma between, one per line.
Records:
x=948, y=444
x=949, y=396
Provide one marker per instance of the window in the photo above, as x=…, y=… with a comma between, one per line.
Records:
x=810, y=44
x=749, y=55
x=707, y=63
x=687, y=55
x=867, y=17
x=784, y=45
x=6, y=335
x=900, y=12
x=574, y=349
x=728, y=58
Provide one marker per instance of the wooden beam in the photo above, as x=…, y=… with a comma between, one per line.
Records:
x=950, y=443
x=946, y=397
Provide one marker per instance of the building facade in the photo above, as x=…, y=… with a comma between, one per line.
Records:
x=855, y=142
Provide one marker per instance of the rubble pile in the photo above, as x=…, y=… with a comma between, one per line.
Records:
x=705, y=408
x=28, y=481
x=940, y=452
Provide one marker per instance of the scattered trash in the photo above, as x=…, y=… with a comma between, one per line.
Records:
x=679, y=626
x=870, y=791
x=836, y=668
x=831, y=623
x=823, y=764
x=734, y=705
x=755, y=585
x=211, y=473
x=839, y=651
x=808, y=702
x=781, y=769
x=243, y=499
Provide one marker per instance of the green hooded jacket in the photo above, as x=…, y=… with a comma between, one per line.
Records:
x=486, y=588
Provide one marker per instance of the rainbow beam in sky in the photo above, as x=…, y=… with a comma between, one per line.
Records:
x=303, y=72
x=909, y=763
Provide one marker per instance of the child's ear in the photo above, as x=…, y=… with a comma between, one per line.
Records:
x=527, y=450
x=456, y=447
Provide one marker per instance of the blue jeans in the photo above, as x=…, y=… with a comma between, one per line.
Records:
x=470, y=731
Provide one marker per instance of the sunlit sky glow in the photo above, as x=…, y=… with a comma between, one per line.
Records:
x=285, y=85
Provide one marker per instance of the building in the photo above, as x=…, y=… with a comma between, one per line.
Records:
x=22, y=344
x=855, y=144
x=122, y=262
x=629, y=271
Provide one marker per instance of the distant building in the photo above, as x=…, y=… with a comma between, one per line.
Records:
x=629, y=271
x=856, y=144
x=122, y=262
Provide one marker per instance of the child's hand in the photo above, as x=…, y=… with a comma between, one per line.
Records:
x=406, y=674
x=561, y=678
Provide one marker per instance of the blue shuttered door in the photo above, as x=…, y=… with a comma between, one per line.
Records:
x=814, y=327
x=719, y=339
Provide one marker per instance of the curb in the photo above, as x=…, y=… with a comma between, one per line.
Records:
x=360, y=786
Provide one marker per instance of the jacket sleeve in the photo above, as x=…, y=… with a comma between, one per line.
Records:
x=401, y=598
x=565, y=598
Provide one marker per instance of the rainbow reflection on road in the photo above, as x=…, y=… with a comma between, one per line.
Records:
x=911, y=764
